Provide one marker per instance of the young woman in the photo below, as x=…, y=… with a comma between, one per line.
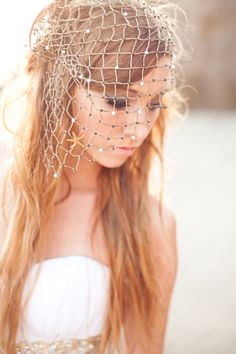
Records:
x=88, y=256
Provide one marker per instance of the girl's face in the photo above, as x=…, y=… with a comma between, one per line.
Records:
x=105, y=129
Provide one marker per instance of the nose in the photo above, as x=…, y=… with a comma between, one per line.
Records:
x=140, y=131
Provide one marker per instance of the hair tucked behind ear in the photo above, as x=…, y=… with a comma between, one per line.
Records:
x=122, y=206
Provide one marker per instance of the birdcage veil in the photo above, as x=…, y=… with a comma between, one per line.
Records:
x=95, y=53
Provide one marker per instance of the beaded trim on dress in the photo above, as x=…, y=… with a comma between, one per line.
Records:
x=72, y=346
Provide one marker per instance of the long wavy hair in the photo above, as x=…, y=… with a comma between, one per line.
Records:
x=122, y=205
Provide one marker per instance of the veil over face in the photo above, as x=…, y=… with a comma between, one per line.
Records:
x=108, y=65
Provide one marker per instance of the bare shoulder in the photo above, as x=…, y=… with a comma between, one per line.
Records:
x=163, y=221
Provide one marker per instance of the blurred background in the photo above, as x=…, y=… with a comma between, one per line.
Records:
x=200, y=172
x=200, y=188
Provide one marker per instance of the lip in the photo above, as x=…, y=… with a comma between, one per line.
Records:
x=126, y=147
x=129, y=147
x=126, y=150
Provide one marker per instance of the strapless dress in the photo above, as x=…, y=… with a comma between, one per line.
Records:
x=67, y=307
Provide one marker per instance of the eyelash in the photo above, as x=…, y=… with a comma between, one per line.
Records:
x=121, y=104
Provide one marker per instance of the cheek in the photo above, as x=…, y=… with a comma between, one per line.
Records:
x=102, y=129
x=152, y=118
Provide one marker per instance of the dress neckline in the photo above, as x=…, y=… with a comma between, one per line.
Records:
x=73, y=256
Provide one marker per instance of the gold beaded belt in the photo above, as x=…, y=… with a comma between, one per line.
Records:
x=72, y=346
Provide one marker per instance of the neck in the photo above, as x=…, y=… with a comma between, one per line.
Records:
x=83, y=180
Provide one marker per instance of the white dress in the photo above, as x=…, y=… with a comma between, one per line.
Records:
x=67, y=306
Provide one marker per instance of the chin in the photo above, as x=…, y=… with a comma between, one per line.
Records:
x=111, y=164
x=111, y=161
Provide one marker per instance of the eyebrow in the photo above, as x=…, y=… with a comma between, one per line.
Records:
x=133, y=91
x=122, y=98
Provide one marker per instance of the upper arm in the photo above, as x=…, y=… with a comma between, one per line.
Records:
x=6, y=196
x=168, y=244
x=163, y=234
x=163, y=239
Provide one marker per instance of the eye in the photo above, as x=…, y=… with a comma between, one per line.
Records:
x=118, y=103
x=154, y=106
x=122, y=103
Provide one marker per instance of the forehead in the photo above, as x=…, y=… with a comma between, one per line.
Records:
x=152, y=83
